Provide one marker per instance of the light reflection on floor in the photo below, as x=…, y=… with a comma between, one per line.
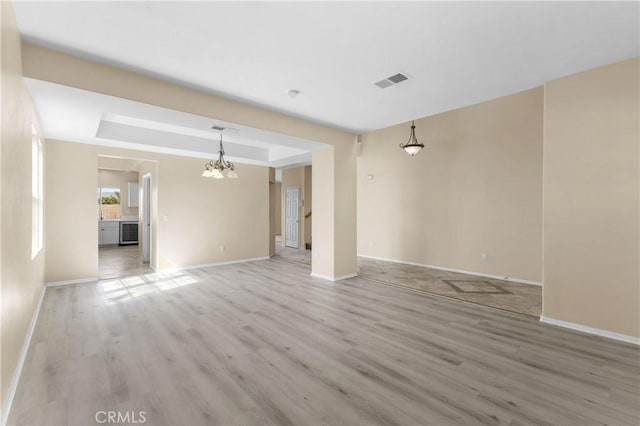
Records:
x=128, y=288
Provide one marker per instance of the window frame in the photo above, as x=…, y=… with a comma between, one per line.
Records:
x=100, y=195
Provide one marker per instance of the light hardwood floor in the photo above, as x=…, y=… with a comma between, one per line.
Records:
x=120, y=261
x=264, y=343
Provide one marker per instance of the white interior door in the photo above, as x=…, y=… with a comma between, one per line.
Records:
x=292, y=218
x=146, y=218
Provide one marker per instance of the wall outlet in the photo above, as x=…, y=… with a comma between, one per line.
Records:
x=485, y=257
x=316, y=254
x=222, y=247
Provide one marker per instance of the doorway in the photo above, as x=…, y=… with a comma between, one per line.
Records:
x=295, y=214
x=292, y=217
x=123, y=216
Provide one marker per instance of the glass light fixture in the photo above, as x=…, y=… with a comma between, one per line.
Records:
x=220, y=167
x=412, y=146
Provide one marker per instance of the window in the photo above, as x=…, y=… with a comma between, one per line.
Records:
x=108, y=203
x=37, y=193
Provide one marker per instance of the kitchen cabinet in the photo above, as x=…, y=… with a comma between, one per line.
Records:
x=132, y=188
x=108, y=232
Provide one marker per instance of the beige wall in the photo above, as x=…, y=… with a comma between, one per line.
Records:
x=308, y=204
x=70, y=211
x=119, y=163
x=344, y=207
x=198, y=215
x=334, y=208
x=21, y=278
x=475, y=189
x=277, y=188
x=337, y=242
x=591, y=232
x=323, y=254
x=194, y=216
x=120, y=179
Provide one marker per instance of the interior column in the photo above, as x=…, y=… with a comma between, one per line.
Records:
x=334, y=212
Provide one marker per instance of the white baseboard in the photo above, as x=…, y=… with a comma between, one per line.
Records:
x=591, y=330
x=322, y=277
x=67, y=282
x=460, y=271
x=15, y=379
x=334, y=278
x=181, y=268
x=345, y=276
x=206, y=265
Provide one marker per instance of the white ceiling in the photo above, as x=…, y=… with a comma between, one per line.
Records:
x=456, y=53
x=87, y=117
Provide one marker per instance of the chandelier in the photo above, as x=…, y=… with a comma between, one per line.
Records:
x=221, y=167
x=412, y=146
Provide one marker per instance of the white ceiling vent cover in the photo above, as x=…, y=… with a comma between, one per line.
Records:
x=390, y=81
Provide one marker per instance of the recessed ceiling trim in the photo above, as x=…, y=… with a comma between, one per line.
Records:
x=77, y=115
x=146, y=136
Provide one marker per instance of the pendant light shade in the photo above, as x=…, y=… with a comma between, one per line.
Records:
x=412, y=146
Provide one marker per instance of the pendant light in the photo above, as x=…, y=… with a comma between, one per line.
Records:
x=221, y=167
x=412, y=146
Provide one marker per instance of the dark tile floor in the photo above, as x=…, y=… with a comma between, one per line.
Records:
x=506, y=295
x=509, y=296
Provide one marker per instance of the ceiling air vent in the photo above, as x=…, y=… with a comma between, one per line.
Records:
x=218, y=128
x=390, y=81
x=397, y=78
x=384, y=83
